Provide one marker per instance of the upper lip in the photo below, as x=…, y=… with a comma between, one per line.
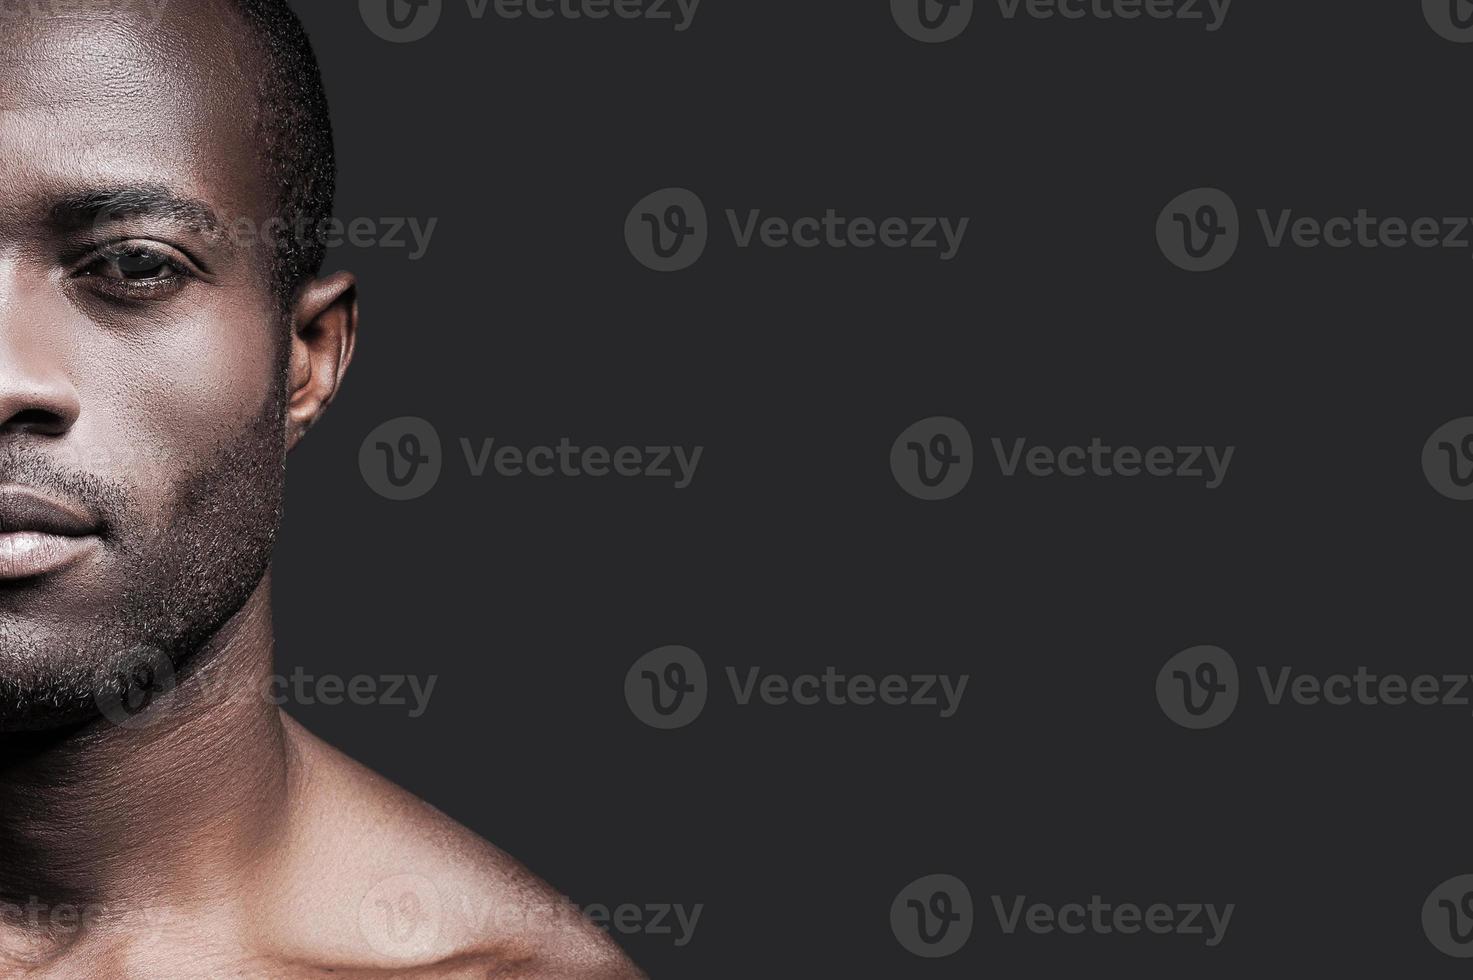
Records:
x=24, y=509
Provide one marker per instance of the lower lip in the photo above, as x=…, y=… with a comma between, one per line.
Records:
x=26, y=554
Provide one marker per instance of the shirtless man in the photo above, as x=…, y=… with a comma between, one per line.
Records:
x=159, y=815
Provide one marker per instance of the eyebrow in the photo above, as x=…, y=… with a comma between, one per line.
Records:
x=157, y=201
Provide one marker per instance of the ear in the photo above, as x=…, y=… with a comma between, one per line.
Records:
x=324, y=329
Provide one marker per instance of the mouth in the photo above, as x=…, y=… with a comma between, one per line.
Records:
x=40, y=534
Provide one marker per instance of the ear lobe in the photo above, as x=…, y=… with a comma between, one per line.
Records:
x=324, y=330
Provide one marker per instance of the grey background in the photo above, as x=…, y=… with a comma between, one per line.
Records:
x=795, y=549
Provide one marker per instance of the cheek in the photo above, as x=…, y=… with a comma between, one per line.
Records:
x=172, y=395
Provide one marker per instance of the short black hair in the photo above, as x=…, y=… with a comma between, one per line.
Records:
x=295, y=133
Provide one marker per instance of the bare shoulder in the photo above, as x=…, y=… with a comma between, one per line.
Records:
x=373, y=879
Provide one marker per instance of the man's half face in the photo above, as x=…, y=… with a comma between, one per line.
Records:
x=141, y=371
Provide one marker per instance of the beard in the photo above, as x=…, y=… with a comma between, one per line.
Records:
x=171, y=581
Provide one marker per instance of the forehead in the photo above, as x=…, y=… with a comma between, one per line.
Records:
x=111, y=92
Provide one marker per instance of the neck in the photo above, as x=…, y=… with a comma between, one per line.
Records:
x=167, y=810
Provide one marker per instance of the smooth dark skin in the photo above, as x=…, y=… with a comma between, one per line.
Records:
x=221, y=839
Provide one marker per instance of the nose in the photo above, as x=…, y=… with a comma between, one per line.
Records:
x=37, y=396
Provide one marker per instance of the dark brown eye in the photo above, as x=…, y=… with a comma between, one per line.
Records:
x=136, y=270
x=135, y=264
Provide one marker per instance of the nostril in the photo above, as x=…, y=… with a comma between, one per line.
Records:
x=34, y=420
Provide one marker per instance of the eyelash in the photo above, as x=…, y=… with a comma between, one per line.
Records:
x=160, y=287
